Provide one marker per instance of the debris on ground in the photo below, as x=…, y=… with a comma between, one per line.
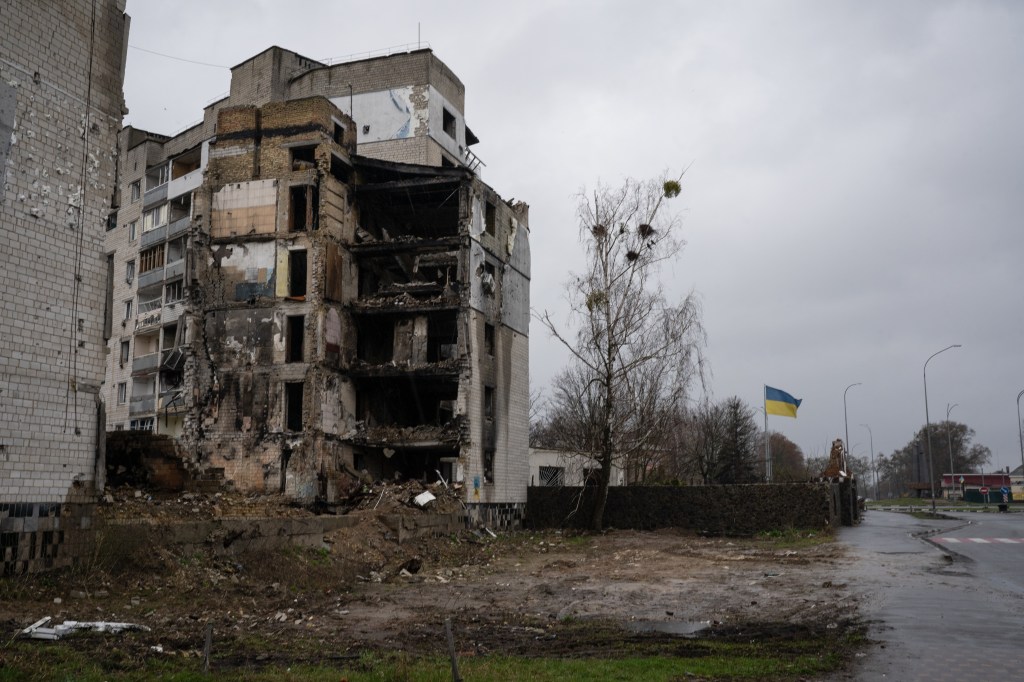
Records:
x=39, y=629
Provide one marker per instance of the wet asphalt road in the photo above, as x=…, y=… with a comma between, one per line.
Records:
x=939, y=615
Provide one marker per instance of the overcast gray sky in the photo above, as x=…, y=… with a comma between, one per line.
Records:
x=855, y=197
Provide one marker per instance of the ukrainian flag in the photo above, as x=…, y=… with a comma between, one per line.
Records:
x=780, y=402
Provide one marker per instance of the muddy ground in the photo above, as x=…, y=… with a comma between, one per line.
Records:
x=524, y=593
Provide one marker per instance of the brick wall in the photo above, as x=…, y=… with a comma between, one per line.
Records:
x=65, y=104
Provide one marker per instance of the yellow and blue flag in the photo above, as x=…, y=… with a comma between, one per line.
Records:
x=780, y=402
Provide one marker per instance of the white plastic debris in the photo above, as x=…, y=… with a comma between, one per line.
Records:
x=38, y=630
x=424, y=498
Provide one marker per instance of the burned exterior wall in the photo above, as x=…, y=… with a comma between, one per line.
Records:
x=436, y=250
x=498, y=394
x=270, y=287
x=61, y=101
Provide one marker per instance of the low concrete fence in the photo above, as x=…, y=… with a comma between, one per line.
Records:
x=714, y=509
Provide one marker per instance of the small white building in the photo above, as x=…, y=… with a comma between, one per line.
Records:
x=563, y=468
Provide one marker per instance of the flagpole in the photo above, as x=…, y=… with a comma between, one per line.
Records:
x=767, y=451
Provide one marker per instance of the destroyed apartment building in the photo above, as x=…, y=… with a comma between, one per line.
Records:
x=314, y=282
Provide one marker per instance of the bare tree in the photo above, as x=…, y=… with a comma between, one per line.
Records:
x=634, y=355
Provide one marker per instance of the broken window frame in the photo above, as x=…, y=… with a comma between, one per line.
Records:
x=129, y=271
x=122, y=393
x=141, y=424
x=151, y=259
x=157, y=176
x=133, y=230
x=126, y=352
x=175, y=289
x=136, y=190
x=129, y=305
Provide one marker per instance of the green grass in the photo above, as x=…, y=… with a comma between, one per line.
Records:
x=725, y=662
x=792, y=538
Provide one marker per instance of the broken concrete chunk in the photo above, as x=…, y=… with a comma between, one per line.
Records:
x=424, y=498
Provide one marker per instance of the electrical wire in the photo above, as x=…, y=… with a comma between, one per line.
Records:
x=179, y=59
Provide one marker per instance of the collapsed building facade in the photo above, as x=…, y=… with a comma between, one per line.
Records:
x=315, y=285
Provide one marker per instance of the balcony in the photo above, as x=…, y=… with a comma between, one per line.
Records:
x=151, y=277
x=154, y=236
x=175, y=269
x=143, y=405
x=186, y=183
x=177, y=227
x=145, y=363
x=150, y=306
x=154, y=196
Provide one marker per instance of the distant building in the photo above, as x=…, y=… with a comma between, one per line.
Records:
x=562, y=468
x=61, y=104
x=315, y=282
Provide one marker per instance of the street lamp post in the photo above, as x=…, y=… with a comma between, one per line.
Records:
x=1021, y=436
x=928, y=423
x=949, y=445
x=874, y=472
x=846, y=423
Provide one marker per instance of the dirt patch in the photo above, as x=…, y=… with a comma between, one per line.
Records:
x=528, y=594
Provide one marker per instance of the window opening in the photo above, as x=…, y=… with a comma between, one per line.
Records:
x=133, y=230
x=128, y=305
x=136, y=190
x=122, y=393
x=488, y=465
x=297, y=273
x=125, y=352
x=174, y=292
x=489, y=402
x=141, y=424
x=489, y=338
x=151, y=259
x=293, y=406
x=175, y=250
x=157, y=176
x=448, y=123
x=304, y=202
x=129, y=271
x=154, y=218
x=339, y=134
x=295, y=338
x=490, y=217
x=552, y=476
x=303, y=158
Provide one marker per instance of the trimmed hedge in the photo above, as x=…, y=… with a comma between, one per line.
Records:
x=712, y=509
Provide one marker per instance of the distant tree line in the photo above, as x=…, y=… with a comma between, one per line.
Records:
x=718, y=442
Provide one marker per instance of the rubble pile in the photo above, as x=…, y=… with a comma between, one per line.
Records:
x=132, y=502
x=400, y=498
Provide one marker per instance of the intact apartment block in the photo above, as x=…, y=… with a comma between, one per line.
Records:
x=314, y=285
x=61, y=103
